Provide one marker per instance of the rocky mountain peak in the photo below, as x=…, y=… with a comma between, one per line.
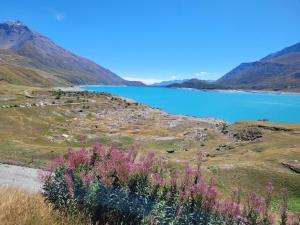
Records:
x=12, y=33
x=13, y=26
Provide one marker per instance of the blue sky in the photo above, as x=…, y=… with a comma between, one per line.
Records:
x=154, y=40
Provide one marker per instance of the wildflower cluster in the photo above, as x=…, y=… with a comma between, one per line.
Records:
x=114, y=187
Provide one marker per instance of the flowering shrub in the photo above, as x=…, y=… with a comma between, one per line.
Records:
x=114, y=187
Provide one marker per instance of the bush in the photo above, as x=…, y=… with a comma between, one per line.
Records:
x=68, y=101
x=113, y=187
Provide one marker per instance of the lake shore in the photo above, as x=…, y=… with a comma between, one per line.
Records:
x=231, y=107
x=68, y=89
x=241, y=91
x=81, y=88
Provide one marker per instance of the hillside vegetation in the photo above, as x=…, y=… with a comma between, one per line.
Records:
x=110, y=186
x=37, y=125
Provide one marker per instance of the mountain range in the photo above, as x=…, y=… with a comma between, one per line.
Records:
x=167, y=83
x=197, y=84
x=279, y=71
x=29, y=58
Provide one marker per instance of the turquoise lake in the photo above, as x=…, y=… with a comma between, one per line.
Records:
x=229, y=106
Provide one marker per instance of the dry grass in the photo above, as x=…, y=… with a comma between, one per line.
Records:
x=22, y=208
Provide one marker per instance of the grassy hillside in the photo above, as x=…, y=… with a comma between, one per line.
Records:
x=245, y=154
x=17, y=70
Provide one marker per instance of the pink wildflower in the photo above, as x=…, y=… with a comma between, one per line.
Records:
x=269, y=191
x=284, y=205
x=99, y=150
x=58, y=162
x=212, y=193
x=44, y=175
x=144, y=165
x=86, y=178
x=157, y=179
x=173, y=178
x=187, y=181
x=236, y=195
x=230, y=209
x=105, y=172
x=132, y=155
x=76, y=158
x=69, y=184
x=183, y=196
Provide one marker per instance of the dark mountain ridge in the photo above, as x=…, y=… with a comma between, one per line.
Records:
x=289, y=50
x=168, y=82
x=197, y=84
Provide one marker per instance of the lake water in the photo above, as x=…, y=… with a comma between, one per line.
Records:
x=230, y=106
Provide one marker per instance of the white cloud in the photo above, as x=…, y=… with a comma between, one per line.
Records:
x=144, y=80
x=201, y=74
x=57, y=15
x=206, y=75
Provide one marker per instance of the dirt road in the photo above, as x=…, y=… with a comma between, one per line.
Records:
x=20, y=177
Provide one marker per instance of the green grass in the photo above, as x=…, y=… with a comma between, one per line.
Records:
x=60, y=119
x=168, y=145
x=12, y=153
x=126, y=140
x=293, y=204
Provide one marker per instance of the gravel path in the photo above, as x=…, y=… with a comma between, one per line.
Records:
x=19, y=177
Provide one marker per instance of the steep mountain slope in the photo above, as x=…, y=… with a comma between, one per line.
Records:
x=277, y=71
x=38, y=53
x=16, y=69
x=289, y=51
